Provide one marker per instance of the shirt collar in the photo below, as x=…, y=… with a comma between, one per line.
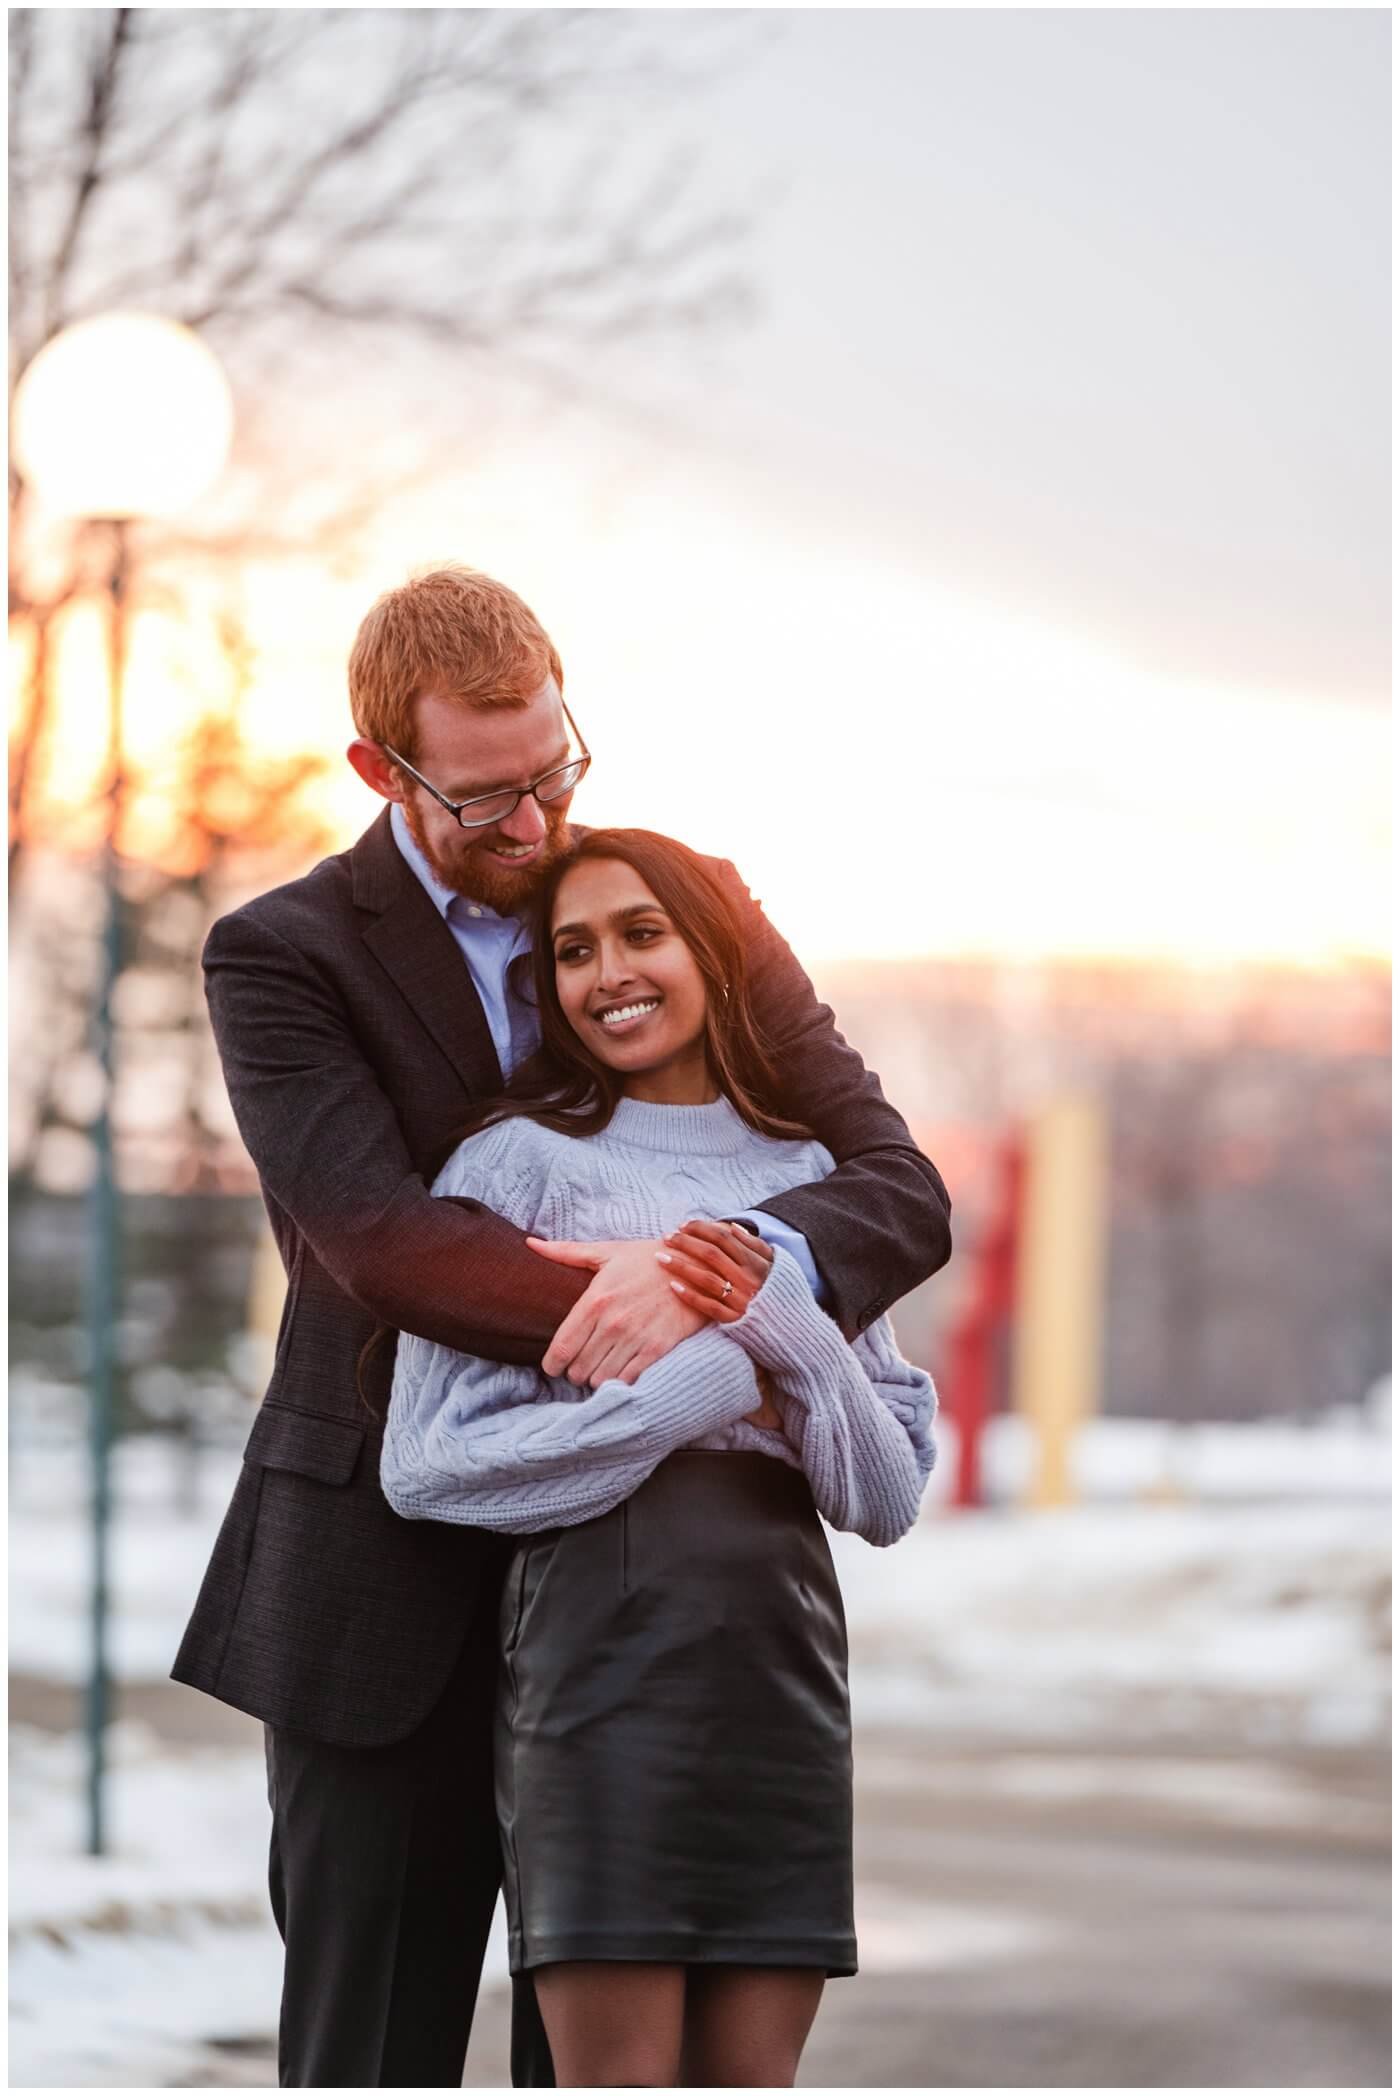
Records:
x=442, y=898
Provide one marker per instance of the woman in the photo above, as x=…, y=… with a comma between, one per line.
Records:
x=673, y=1733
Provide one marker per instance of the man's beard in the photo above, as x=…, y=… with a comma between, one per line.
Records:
x=471, y=871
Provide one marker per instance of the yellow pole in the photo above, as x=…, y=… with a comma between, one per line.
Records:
x=1060, y=1287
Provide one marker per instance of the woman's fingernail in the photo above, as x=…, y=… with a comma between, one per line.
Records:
x=664, y=1257
x=679, y=1287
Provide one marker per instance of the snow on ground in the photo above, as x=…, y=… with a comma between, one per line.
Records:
x=121, y=1966
x=187, y=1834
x=105, y=2011
x=1256, y=1613
x=1267, y=1622
x=1342, y=1454
x=1269, y=1610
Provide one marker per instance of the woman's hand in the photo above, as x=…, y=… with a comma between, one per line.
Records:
x=716, y=1268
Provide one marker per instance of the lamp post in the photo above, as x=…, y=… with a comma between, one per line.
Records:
x=119, y=418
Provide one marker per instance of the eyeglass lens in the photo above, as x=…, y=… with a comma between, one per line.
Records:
x=550, y=788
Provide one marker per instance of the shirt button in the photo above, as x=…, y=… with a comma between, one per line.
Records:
x=472, y=910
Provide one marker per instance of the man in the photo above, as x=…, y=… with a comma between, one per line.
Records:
x=359, y=1012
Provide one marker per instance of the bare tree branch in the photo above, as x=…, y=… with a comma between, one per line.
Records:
x=192, y=162
x=22, y=44
x=102, y=98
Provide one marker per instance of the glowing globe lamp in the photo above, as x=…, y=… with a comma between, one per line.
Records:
x=126, y=415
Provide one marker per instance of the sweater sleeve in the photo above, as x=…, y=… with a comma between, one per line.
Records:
x=859, y=1416
x=483, y=1444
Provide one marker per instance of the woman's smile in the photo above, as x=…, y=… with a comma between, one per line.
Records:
x=629, y=985
x=626, y=1018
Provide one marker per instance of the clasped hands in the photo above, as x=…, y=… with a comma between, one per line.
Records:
x=647, y=1296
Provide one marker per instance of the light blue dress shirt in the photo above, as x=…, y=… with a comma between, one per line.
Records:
x=488, y=943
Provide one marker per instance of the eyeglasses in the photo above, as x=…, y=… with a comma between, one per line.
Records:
x=496, y=807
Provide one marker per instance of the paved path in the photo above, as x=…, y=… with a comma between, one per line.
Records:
x=1035, y=1915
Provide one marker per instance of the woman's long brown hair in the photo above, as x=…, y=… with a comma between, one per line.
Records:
x=566, y=1087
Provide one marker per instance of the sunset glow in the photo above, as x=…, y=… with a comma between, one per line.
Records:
x=895, y=771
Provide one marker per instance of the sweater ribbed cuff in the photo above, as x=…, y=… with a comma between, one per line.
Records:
x=784, y=1327
x=684, y=1396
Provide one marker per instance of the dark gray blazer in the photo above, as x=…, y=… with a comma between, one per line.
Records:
x=353, y=1045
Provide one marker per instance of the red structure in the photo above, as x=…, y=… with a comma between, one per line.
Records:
x=974, y=1381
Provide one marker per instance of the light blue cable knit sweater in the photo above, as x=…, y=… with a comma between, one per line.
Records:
x=504, y=1447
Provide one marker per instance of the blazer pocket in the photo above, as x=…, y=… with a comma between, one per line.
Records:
x=304, y=1442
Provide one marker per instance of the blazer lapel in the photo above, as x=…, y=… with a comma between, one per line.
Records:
x=418, y=952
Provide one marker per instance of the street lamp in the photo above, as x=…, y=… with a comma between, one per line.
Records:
x=119, y=418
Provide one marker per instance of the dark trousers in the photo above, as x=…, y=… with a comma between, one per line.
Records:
x=384, y=1872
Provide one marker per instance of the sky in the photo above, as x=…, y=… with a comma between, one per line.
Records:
x=1090, y=310
x=1017, y=581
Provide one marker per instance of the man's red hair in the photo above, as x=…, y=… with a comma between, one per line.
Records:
x=452, y=631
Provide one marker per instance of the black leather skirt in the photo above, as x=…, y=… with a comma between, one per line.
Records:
x=673, y=1734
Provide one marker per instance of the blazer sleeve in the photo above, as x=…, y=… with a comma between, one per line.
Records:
x=329, y=1150
x=879, y=1225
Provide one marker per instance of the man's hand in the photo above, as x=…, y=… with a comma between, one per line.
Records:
x=769, y=1413
x=626, y=1319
